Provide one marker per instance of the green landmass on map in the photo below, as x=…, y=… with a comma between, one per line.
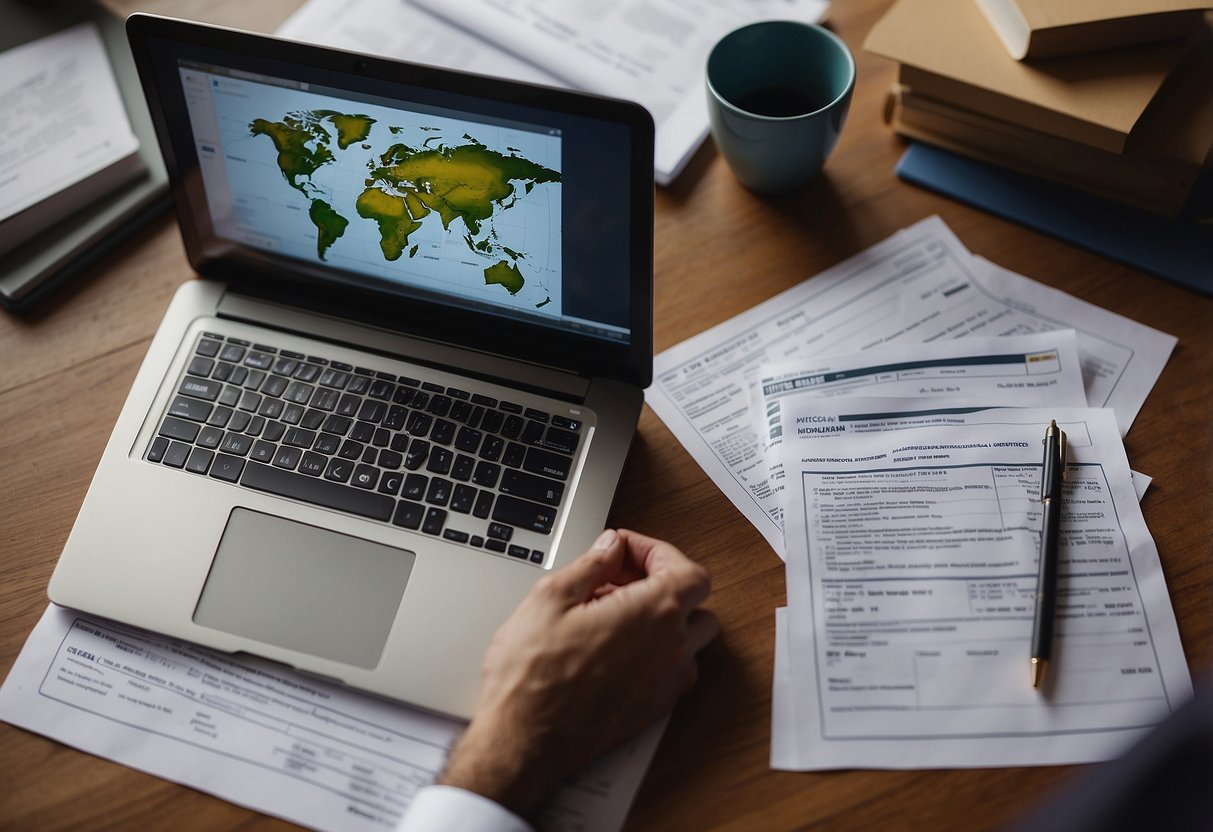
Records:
x=504, y=274
x=329, y=225
x=405, y=184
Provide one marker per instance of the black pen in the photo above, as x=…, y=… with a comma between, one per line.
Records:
x=1046, y=582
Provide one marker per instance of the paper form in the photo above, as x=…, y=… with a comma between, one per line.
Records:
x=649, y=51
x=912, y=563
x=1013, y=371
x=401, y=30
x=919, y=285
x=259, y=735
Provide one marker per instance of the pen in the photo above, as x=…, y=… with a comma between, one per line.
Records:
x=1046, y=582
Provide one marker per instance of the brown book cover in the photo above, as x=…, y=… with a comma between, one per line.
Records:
x=949, y=52
x=1049, y=28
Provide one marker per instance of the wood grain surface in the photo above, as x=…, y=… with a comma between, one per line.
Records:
x=65, y=372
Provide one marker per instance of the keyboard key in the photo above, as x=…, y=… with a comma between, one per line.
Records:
x=199, y=460
x=560, y=440
x=418, y=451
x=547, y=463
x=179, y=429
x=484, y=505
x=362, y=432
x=350, y=449
x=223, y=371
x=531, y=487
x=273, y=431
x=209, y=438
x=487, y=401
x=567, y=424
x=390, y=460
x=395, y=418
x=324, y=399
x=486, y=474
x=414, y=487
x=227, y=468
x=512, y=428
x=462, y=498
x=461, y=468
x=263, y=451
x=287, y=457
x=434, y=518
x=365, y=476
x=494, y=545
x=473, y=418
x=259, y=360
x=200, y=388
x=420, y=400
x=403, y=395
x=369, y=454
x=432, y=387
x=510, y=407
x=274, y=386
x=381, y=389
x=443, y=431
x=492, y=447
x=457, y=536
x=348, y=405
x=240, y=420
x=318, y=491
x=236, y=443
x=312, y=419
x=336, y=424
x=440, y=461
x=200, y=366
x=439, y=492
x=176, y=454
x=299, y=437
x=312, y=464
x=230, y=396
x=456, y=393
x=419, y=423
x=307, y=373
x=390, y=483
x=518, y=551
x=334, y=378
x=492, y=421
x=250, y=401
x=536, y=556
x=381, y=437
x=327, y=444
x=476, y=541
x=439, y=405
x=338, y=470
x=219, y=417
x=208, y=348
x=253, y=380
x=271, y=408
x=238, y=376
x=359, y=385
x=232, y=353
x=292, y=414
x=408, y=515
x=192, y=409
x=286, y=366
x=523, y=513
x=460, y=411
x=532, y=434
x=468, y=440
x=155, y=453
x=537, y=415
x=372, y=411
x=500, y=531
x=514, y=455
x=255, y=426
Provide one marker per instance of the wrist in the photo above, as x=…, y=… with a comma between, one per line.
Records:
x=501, y=764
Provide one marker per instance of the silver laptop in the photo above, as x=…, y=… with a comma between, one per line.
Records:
x=403, y=388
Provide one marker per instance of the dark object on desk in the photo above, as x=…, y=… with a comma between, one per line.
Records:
x=1165, y=781
x=31, y=272
x=1052, y=471
x=1178, y=250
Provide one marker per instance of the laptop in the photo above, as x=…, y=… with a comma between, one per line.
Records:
x=404, y=385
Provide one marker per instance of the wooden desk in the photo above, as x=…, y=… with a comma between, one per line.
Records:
x=719, y=250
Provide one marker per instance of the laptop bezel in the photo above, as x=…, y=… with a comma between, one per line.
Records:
x=253, y=272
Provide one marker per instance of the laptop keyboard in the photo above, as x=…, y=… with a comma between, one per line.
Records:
x=446, y=461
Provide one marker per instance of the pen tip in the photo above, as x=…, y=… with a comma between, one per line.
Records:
x=1038, y=672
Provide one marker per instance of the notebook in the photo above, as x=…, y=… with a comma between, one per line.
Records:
x=403, y=386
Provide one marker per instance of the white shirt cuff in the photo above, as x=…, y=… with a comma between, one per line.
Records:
x=447, y=807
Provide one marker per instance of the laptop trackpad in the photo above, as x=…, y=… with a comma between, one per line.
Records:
x=304, y=588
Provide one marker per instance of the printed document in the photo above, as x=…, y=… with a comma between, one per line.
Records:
x=260, y=735
x=649, y=51
x=919, y=286
x=1013, y=371
x=912, y=570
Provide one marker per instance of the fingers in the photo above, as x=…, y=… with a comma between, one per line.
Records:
x=688, y=581
x=581, y=580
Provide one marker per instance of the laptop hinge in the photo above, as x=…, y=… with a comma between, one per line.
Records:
x=512, y=372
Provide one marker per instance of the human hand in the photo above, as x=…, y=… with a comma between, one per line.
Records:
x=594, y=653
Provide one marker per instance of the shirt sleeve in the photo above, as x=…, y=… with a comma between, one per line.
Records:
x=447, y=807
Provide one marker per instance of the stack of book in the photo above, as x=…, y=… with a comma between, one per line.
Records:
x=1114, y=97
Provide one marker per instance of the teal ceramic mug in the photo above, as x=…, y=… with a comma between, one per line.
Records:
x=778, y=94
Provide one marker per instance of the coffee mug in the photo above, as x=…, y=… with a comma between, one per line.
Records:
x=778, y=94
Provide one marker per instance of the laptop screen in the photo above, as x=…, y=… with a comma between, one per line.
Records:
x=509, y=214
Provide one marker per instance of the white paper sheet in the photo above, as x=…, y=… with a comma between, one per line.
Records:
x=61, y=117
x=908, y=632
x=259, y=735
x=1011, y=371
x=397, y=29
x=919, y=285
x=650, y=51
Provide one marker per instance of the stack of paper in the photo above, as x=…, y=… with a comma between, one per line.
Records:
x=1133, y=124
x=649, y=51
x=907, y=479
